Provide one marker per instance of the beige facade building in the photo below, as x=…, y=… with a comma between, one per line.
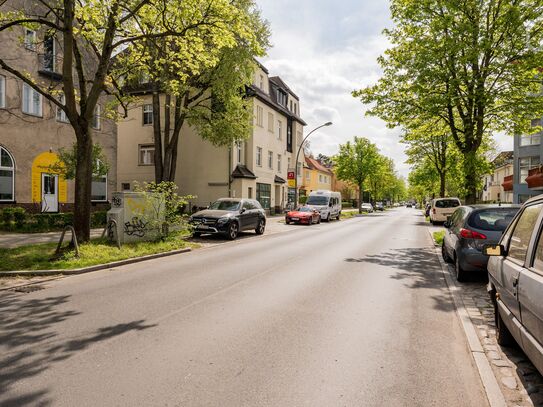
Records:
x=255, y=168
x=32, y=129
x=493, y=184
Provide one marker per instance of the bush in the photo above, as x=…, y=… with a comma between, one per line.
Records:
x=347, y=204
x=98, y=219
x=7, y=215
x=19, y=214
x=303, y=200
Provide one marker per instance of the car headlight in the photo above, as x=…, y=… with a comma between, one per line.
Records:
x=222, y=221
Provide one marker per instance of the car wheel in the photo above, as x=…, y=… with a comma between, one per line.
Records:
x=261, y=227
x=310, y=222
x=338, y=215
x=196, y=234
x=287, y=222
x=233, y=231
x=444, y=254
x=461, y=274
x=503, y=335
x=328, y=217
x=319, y=219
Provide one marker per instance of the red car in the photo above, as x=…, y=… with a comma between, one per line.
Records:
x=303, y=215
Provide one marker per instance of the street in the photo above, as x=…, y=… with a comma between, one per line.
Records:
x=350, y=313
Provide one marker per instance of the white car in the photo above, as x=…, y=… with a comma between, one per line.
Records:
x=367, y=207
x=442, y=208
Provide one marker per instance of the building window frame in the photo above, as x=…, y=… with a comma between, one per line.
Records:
x=32, y=101
x=270, y=159
x=30, y=39
x=61, y=114
x=97, y=117
x=3, y=92
x=10, y=168
x=147, y=112
x=259, y=116
x=524, y=168
x=279, y=130
x=279, y=162
x=102, y=179
x=149, y=151
x=239, y=152
x=259, y=156
x=270, y=122
x=263, y=194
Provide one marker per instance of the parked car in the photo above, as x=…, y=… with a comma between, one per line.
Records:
x=303, y=215
x=515, y=272
x=466, y=232
x=379, y=206
x=328, y=203
x=408, y=205
x=229, y=216
x=427, y=209
x=442, y=208
x=367, y=207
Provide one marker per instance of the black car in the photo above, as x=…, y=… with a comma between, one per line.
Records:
x=229, y=216
x=468, y=229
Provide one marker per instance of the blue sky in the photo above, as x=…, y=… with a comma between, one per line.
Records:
x=324, y=49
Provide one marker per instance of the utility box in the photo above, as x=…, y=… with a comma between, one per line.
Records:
x=139, y=216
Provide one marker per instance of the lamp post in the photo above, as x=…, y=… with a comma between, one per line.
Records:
x=298, y=155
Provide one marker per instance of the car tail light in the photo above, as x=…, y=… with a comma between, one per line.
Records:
x=434, y=211
x=471, y=234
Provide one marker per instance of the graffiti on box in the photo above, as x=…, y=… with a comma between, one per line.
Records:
x=135, y=227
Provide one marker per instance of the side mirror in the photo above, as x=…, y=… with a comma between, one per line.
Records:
x=242, y=210
x=494, y=250
x=447, y=225
x=330, y=204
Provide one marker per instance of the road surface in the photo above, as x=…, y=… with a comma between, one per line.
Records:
x=351, y=313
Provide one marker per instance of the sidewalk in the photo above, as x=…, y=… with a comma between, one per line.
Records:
x=12, y=240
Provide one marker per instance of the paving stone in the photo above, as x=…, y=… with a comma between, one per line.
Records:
x=493, y=348
x=493, y=355
x=501, y=363
x=506, y=371
x=509, y=382
x=483, y=333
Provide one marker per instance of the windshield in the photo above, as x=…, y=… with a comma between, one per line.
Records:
x=225, y=205
x=447, y=203
x=492, y=219
x=304, y=209
x=317, y=200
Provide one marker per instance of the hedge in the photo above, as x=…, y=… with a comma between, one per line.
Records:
x=18, y=220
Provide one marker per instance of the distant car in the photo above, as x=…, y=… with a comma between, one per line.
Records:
x=303, y=215
x=442, y=208
x=228, y=217
x=427, y=209
x=379, y=206
x=367, y=207
x=408, y=205
x=468, y=229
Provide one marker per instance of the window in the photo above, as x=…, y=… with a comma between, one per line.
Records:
x=320, y=178
x=530, y=140
x=522, y=233
x=30, y=39
x=31, y=101
x=263, y=195
x=291, y=108
x=259, y=116
x=239, y=152
x=279, y=129
x=295, y=109
x=147, y=114
x=96, y=118
x=261, y=82
x=61, y=114
x=278, y=162
x=307, y=175
x=525, y=165
x=250, y=193
x=259, y=156
x=288, y=163
x=147, y=154
x=2, y=91
x=99, y=186
x=125, y=186
x=49, y=54
x=270, y=160
x=270, y=122
x=7, y=176
x=281, y=98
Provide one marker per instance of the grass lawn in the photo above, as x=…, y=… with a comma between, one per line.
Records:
x=438, y=237
x=99, y=251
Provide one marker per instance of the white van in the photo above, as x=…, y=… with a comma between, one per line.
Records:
x=328, y=203
x=441, y=208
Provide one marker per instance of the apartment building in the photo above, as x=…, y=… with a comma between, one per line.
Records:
x=32, y=129
x=498, y=186
x=254, y=168
x=316, y=176
x=528, y=175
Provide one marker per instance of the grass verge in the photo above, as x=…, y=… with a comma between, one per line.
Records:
x=99, y=251
x=438, y=237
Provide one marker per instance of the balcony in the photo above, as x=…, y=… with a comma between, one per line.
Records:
x=508, y=183
x=50, y=65
x=535, y=178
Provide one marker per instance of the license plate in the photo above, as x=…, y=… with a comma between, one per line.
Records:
x=203, y=227
x=295, y=218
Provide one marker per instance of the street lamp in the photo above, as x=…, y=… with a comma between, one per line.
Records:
x=298, y=155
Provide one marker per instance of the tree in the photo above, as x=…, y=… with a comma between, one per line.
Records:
x=89, y=34
x=356, y=162
x=325, y=160
x=473, y=65
x=211, y=97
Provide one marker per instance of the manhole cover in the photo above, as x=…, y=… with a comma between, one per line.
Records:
x=28, y=288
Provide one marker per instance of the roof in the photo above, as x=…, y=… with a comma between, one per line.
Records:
x=279, y=180
x=279, y=82
x=315, y=165
x=241, y=171
x=265, y=98
x=503, y=158
x=261, y=66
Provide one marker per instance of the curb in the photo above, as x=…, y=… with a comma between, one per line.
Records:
x=32, y=273
x=490, y=383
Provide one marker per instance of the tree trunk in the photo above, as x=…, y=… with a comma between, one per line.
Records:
x=360, y=197
x=470, y=172
x=442, y=176
x=83, y=185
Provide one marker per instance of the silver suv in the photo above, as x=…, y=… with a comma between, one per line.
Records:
x=515, y=271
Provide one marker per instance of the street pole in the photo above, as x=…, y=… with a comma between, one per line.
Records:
x=298, y=155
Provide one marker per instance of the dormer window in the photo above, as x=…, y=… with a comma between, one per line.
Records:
x=261, y=82
x=281, y=98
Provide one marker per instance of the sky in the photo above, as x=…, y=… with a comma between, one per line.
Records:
x=325, y=49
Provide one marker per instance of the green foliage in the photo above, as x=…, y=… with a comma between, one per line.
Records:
x=67, y=162
x=357, y=161
x=438, y=237
x=302, y=200
x=18, y=220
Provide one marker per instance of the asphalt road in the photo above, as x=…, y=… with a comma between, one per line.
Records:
x=351, y=313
